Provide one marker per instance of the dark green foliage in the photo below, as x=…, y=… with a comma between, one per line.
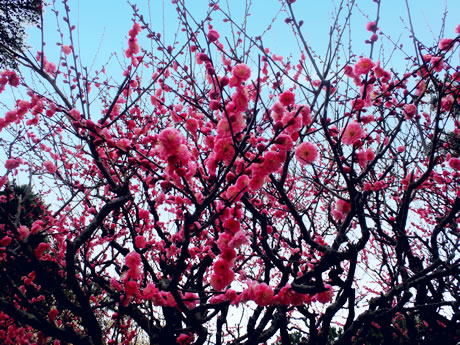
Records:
x=334, y=334
x=453, y=143
x=22, y=206
x=410, y=329
x=14, y=14
x=297, y=338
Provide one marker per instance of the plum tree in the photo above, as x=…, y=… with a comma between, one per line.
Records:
x=220, y=193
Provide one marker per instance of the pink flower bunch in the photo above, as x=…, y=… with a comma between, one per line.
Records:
x=454, y=163
x=445, y=44
x=365, y=156
x=185, y=339
x=273, y=161
x=236, y=191
x=287, y=98
x=410, y=110
x=48, y=67
x=50, y=167
x=41, y=249
x=380, y=73
x=8, y=77
x=134, y=263
x=161, y=298
x=190, y=299
x=229, y=295
x=133, y=46
x=238, y=239
x=13, y=163
x=5, y=241
x=213, y=35
x=23, y=232
x=277, y=111
x=438, y=63
x=258, y=177
x=284, y=143
x=53, y=313
x=348, y=71
x=17, y=114
x=171, y=147
x=241, y=72
x=235, y=123
x=131, y=288
x=240, y=99
x=149, y=291
x=306, y=153
x=371, y=26
x=342, y=208
x=201, y=57
x=224, y=150
x=287, y=296
x=232, y=120
x=133, y=259
x=447, y=103
x=292, y=122
x=325, y=296
x=223, y=274
x=306, y=114
x=140, y=241
x=261, y=293
x=231, y=226
x=363, y=66
x=232, y=238
x=66, y=49
x=352, y=133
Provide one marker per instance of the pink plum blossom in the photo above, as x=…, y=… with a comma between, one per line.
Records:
x=133, y=259
x=306, y=153
x=149, y=291
x=221, y=266
x=220, y=281
x=12, y=163
x=371, y=26
x=213, y=35
x=238, y=239
x=352, y=133
x=287, y=98
x=241, y=72
x=263, y=295
x=325, y=296
x=410, y=110
x=66, y=50
x=140, y=241
x=131, y=288
x=445, y=44
x=363, y=66
x=454, y=163
x=50, y=167
x=273, y=161
x=201, y=57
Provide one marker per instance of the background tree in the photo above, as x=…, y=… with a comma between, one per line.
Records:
x=14, y=16
x=220, y=193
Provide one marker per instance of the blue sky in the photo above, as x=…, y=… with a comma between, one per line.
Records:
x=102, y=25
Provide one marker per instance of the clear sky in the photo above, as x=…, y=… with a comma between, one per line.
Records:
x=102, y=25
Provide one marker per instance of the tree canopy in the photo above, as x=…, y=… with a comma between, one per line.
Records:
x=14, y=16
x=213, y=191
